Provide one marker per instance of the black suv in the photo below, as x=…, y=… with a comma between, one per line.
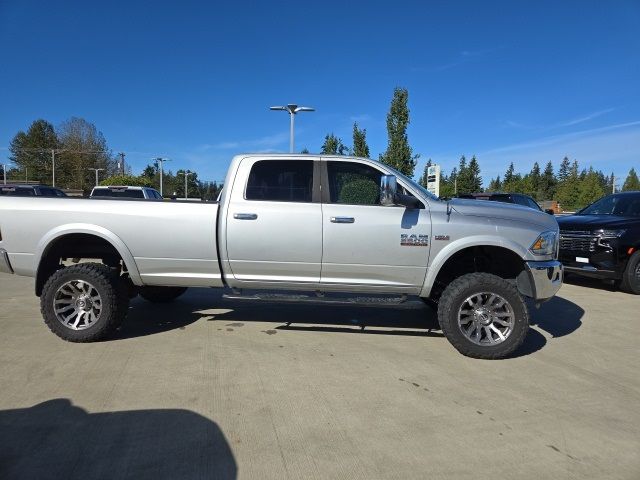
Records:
x=603, y=240
x=517, y=198
x=31, y=191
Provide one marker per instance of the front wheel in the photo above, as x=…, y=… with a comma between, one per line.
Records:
x=161, y=294
x=483, y=316
x=631, y=277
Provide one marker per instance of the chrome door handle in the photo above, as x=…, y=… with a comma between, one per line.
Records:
x=245, y=216
x=342, y=219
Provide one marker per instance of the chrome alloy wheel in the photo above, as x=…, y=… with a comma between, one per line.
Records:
x=77, y=305
x=486, y=319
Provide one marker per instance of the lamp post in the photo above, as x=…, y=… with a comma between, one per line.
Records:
x=161, y=161
x=292, y=109
x=96, y=170
x=186, y=174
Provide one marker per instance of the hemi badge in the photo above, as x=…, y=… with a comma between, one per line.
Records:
x=441, y=237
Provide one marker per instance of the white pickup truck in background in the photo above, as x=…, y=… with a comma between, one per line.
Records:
x=309, y=228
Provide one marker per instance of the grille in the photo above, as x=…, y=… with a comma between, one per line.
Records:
x=577, y=241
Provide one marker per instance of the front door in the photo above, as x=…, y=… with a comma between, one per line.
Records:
x=365, y=244
x=274, y=223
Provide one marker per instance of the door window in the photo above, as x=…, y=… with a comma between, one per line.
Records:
x=281, y=181
x=353, y=183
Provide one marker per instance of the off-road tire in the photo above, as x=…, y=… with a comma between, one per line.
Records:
x=467, y=285
x=161, y=294
x=630, y=280
x=112, y=290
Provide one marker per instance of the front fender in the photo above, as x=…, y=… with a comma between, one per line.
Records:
x=89, y=229
x=454, y=247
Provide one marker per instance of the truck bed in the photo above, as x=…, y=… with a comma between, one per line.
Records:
x=169, y=243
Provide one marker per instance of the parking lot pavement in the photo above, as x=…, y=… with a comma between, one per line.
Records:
x=213, y=389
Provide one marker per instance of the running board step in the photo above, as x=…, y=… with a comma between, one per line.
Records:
x=319, y=298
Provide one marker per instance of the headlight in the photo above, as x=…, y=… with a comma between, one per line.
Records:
x=609, y=233
x=545, y=244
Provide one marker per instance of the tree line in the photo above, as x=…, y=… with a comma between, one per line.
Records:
x=571, y=186
x=77, y=147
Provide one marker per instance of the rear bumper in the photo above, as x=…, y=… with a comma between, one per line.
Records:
x=542, y=280
x=5, y=266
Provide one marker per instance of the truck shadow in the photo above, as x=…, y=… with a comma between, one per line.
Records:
x=56, y=439
x=595, y=283
x=558, y=317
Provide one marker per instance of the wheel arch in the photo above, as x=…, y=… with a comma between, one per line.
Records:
x=54, y=241
x=448, y=264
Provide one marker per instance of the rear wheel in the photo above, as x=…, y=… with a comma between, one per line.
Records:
x=483, y=316
x=84, y=303
x=161, y=294
x=631, y=276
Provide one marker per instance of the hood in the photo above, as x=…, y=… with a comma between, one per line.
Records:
x=506, y=211
x=596, y=222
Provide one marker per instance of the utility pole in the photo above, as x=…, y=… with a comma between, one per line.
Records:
x=96, y=170
x=121, y=155
x=161, y=161
x=613, y=183
x=4, y=172
x=292, y=109
x=26, y=175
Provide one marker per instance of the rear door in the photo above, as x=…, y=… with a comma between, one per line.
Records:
x=367, y=245
x=274, y=222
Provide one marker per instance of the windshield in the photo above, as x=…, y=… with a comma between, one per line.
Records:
x=413, y=183
x=622, y=205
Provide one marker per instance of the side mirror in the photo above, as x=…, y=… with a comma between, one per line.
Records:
x=388, y=190
x=550, y=211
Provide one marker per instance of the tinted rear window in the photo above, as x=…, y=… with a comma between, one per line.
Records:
x=281, y=181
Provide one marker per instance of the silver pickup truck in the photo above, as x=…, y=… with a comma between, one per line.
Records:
x=290, y=228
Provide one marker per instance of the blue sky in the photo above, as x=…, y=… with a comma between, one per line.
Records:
x=506, y=81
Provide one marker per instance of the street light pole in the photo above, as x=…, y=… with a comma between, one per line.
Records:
x=292, y=109
x=161, y=161
x=96, y=170
x=4, y=172
x=53, y=171
x=186, y=189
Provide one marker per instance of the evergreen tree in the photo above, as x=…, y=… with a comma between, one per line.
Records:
x=31, y=150
x=448, y=184
x=332, y=145
x=465, y=177
x=304, y=150
x=399, y=154
x=425, y=174
x=590, y=189
x=474, y=175
x=547, y=183
x=565, y=170
x=568, y=194
x=360, y=147
x=631, y=183
x=508, y=176
x=535, y=179
x=495, y=185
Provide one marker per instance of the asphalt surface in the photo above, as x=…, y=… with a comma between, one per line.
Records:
x=205, y=388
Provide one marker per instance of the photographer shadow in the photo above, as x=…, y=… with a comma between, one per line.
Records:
x=56, y=439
